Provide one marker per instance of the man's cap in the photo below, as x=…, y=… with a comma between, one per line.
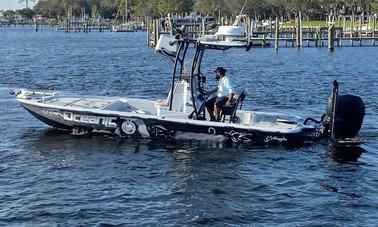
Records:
x=220, y=69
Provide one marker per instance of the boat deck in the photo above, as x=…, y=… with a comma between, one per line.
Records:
x=91, y=103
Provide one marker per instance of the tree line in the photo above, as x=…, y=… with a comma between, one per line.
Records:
x=259, y=9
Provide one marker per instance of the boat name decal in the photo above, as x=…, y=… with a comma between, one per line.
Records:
x=95, y=120
x=275, y=138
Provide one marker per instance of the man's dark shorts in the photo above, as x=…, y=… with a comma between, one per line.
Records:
x=219, y=101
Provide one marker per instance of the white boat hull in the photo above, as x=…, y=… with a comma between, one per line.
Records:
x=95, y=114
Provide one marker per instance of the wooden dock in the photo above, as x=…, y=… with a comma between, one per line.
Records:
x=86, y=23
x=156, y=27
x=74, y=24
x=337, y=32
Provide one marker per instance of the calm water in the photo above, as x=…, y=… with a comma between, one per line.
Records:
x=50, y=178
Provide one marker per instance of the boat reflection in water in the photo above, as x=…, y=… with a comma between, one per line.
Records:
x=345, y=153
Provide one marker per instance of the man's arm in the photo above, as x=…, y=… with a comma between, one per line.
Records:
x=214, y=90
x=230, y=92
x=230, y=97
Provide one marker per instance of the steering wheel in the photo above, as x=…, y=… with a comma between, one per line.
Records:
x=200, y=100
x=203, y=94
x=203, y=97
x=200, y=94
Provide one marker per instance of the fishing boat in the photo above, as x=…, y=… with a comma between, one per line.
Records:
x=183, y=114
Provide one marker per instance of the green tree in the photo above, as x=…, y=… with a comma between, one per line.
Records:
x=26, y=13
x=26, y=2
x=142, y=8
x=9, y=13
x=259, y=9
x=50, y=8
x=164, y=7
x=184, y=6
x=108, y=8
x=374, y=7
x=210, y=7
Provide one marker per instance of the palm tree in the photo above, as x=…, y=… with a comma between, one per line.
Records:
x=26, y=2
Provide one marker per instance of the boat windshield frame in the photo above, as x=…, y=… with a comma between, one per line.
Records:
x=197, y=79
x=178, y=64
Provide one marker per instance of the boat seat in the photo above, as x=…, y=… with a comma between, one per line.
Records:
x=119, y=105
x=231, y=110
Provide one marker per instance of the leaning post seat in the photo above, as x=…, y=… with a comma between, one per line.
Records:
x=231, y=110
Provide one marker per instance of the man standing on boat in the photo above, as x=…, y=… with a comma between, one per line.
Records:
x=224, y=97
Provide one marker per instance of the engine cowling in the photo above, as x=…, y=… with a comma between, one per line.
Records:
x=344, y=115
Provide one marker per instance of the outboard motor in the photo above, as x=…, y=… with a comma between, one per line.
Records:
x=344, y=115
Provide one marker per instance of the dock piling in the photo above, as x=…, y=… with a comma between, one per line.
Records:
x=270, y=27
x=203, y=26
x=341, y=32
x=264, y=40
x=157, y=31
x=299, y=30
x=373, y=33
x=360, y=31
x=331, y=37
x=317, y=38
x=276, y=34
x=292, y=39
x=148, y=31
x=352, y=30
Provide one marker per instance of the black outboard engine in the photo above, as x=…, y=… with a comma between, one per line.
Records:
x=344, y=115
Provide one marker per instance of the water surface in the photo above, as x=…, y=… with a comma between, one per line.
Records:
x=50, y=178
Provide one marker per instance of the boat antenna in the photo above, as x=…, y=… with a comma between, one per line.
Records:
x=237, y=20
x=118, y=11
x=242, y=9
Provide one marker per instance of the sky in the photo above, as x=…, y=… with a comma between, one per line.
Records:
x=14, y=4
